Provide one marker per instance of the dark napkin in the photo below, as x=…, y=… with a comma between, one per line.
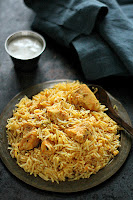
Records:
x=101, y=32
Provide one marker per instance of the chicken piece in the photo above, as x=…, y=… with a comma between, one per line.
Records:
x=28, y=142
x=27, y=128
x=80, y=132
x=47, y=146
x=84, y=97
x=54, y=114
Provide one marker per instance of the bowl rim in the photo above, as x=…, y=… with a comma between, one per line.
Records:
x=25, y=33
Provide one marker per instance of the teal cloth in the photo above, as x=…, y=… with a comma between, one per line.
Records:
x=101, y=32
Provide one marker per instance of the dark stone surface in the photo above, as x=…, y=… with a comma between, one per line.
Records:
x=55, y=63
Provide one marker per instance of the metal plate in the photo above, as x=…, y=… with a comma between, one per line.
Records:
x=67, y=186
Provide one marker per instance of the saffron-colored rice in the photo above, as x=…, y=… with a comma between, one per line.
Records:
x=70, y=159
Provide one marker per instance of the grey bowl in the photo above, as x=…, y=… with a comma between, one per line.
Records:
x=25, y=64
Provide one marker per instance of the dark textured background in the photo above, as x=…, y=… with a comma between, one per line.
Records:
x=55, y=63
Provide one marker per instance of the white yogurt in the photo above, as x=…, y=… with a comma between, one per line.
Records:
x=25, y=48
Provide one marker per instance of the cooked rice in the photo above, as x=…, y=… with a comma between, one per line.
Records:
x=70, y=159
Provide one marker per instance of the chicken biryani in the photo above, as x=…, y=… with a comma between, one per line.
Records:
x=62, y=133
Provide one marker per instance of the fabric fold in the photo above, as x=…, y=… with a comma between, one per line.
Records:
x=100, y=61
x=117, y=31
x=100, y=31
x=66, y=19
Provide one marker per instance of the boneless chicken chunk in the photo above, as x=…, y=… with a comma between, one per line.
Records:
x=27, y=127
x=28, y=142
x=54, y=114
x=84, y=97
x=47, y=146
x=79, y=132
